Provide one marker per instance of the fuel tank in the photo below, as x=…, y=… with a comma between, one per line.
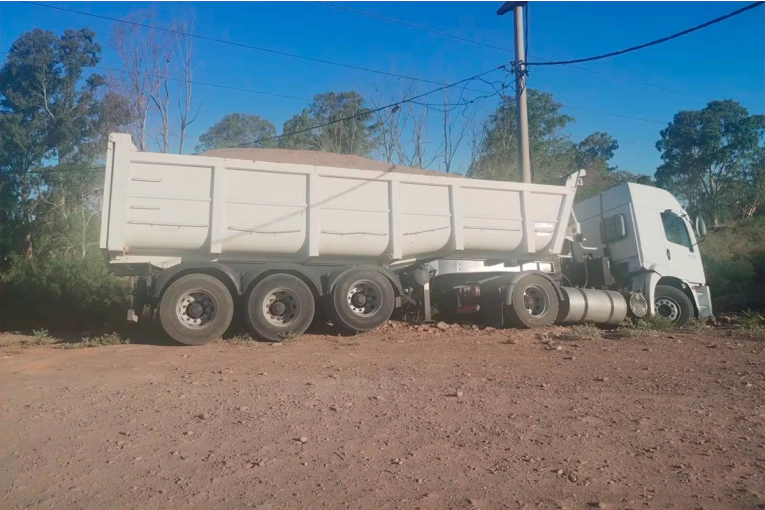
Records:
x=591, y=305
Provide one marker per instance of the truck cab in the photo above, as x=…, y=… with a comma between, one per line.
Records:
x=649, y=241
x=634, y=239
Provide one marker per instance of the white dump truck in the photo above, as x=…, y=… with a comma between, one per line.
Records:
x=206, y=237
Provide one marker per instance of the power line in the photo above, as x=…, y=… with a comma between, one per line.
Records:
x=432, y=106
x=366, y=111
x=194, y=82
x=205, y=84
x=56, y=170
x=648, y=44
x=612, y=114
x=409, y=25
x=499, y=48
x=241, y=45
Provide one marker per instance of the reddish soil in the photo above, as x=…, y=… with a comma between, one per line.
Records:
x=392, y=419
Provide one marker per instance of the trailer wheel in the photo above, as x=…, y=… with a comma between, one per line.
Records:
x=279, y=306
x=672, y=304
x=195, y=309
x=534, y=303
x=361, y=301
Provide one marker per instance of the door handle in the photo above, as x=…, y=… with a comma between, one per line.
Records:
x=669, y=255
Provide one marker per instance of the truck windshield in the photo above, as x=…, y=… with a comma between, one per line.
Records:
x=675, y=230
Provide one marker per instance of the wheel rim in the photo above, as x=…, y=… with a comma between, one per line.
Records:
x=364, y=298
x=196, y=309
x=668, y=308
x=535, y=300
x=281, y=307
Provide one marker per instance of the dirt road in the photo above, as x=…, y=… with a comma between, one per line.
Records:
x=392, y=419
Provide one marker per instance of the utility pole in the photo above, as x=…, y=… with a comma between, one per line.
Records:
x=521, y=107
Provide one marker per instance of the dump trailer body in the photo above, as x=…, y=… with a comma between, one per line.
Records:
x=164, y=209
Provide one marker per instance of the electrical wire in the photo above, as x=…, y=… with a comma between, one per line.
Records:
x=240, y=45
x=56, y=170
x=506, y=50
x=426, y=105
x=613, y=114
x=204, y=84
x=409, y=25
x=648, y=44
x=366, y=111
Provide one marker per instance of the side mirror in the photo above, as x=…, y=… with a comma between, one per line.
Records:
x=701, y=227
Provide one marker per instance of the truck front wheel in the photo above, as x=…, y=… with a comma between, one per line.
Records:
x=533, y=304
x=195, y=309
x=672, y=304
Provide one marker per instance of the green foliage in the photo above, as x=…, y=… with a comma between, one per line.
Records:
x=709, y=154
x=302, y=139
x=243, y=340
x=42, y=337
x=584, y=332
x=551, y=151
x=734, y=265
x=238, y=129
x=553, y=154
x=595, y=151
x=695, y=326
x=647, y=324
x=90, y=342
x=751, y=320
x=51, y=113
x=60, y=293
x=359, y=136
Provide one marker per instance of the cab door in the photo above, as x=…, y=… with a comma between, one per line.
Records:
x=682, y=255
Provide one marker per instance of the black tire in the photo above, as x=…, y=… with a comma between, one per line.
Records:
x=672, y=304
x=280, y=306
x=534, y=303
x=195, y=309
x=351, y=316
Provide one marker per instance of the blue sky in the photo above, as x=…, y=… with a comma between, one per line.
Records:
x=725, y=61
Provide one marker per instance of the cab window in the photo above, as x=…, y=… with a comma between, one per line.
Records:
x=675, y=230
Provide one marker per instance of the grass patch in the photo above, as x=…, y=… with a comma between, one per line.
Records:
x=97, y=341
x=245, y=340
x=583, y=332
x=750, y=320
x=41, y=337
x=652, y=323
x=644, y=326
x=695, y=326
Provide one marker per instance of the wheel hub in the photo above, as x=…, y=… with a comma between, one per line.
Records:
x=364, y=298
x=668, y=309
x=534, y=300
x=195, y=310
x=281, y=306
x=359, y=299
x=278, y=308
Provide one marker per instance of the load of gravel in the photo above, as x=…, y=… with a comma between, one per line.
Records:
x=317, y=158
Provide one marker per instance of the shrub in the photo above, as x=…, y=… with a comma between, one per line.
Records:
x=98, y=341
x=58, y=293
x=648, y=324
x=750, y=320
x=583, y=332
x=734, y=264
